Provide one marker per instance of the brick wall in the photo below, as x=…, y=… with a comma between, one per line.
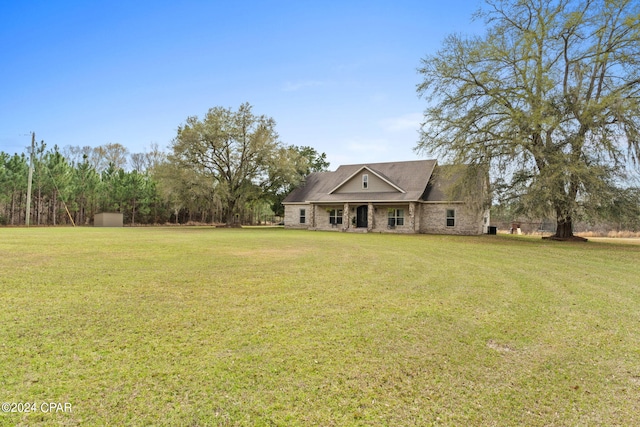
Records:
x=292, y=216
x=433, y=219
x=430, y=218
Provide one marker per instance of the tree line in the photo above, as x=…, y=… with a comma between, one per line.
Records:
x=230, y=167
x=71, y=185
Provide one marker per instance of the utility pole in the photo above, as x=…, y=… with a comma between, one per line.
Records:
x=28, y=213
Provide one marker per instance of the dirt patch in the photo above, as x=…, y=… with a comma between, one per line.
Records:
x=567, y=239
x=271, y=253
x=499, y=347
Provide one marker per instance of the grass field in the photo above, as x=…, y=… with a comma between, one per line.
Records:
x=203, y=326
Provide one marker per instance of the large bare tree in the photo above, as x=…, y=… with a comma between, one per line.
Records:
x=549, y=97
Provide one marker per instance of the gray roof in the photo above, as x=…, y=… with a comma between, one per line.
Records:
x=441, y=180
x=411, y=176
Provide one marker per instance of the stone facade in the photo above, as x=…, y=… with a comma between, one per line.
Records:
x=420, y=217
x=433, y=219
x=292, y=216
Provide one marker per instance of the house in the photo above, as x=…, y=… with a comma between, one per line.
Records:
x=398, y=197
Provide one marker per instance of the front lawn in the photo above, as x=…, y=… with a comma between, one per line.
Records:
x=203, y=326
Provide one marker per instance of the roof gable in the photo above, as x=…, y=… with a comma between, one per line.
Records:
x=376, y=182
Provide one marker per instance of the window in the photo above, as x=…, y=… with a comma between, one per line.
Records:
x=396, y=217
x=451, y=217
x=303, y=216
x=335, y=216
x=365, y=181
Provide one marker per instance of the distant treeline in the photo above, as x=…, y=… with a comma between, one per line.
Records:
x=71, y=185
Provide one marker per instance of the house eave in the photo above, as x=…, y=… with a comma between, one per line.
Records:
x=337, y=202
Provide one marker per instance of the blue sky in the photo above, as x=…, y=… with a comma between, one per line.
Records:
x=339, y=76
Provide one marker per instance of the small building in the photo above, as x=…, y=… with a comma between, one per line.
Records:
x=108, y=219
x=396, y=197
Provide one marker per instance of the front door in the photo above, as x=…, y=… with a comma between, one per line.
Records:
x=362, y=215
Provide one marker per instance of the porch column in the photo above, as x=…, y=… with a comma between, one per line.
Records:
x=346, y=219
x=370, y=217
x=412, y=216
x=312, y=216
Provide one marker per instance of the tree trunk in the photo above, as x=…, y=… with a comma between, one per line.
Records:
x=22, y=217
x=230, y=217
x=55, y=207
x=133, y=213
x=81, y=211
x=39, y=206
x=231, y=208
x=13, y=207
x=564, y=228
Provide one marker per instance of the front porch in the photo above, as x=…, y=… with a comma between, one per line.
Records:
x=365, y=217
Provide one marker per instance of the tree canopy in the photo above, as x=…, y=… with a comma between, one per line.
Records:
x=300, y=162
x=240, y=153
x=548, y=98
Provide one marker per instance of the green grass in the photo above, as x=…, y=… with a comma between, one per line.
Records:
x=203, y=326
